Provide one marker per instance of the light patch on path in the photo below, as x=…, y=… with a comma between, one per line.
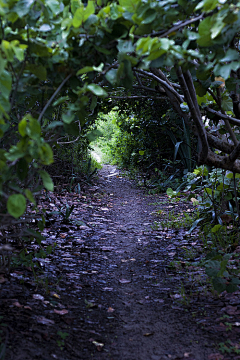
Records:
x=96, y=156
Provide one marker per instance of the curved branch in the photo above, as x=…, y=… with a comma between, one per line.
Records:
x=223, y=116
x=163, y=83
x=53, y=96
x=174, y=28
x=186, y=83
x=220, y=144
x=68, y=142
x=138, y=97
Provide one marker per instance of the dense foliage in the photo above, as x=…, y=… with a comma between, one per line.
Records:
x=59, y=58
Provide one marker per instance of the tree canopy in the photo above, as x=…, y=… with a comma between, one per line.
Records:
x=58, y=59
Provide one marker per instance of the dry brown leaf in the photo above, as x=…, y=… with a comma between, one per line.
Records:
x=17, y=304
x=110, y=309
x=61, y=312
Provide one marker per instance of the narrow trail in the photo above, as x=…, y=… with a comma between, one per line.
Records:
x=149, y=327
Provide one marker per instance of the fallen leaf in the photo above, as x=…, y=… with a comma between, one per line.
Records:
x=110, y=310
x=63, y=235
x=38, y=297
x=17, y=304
x=176, y=296
x=44, y=321
x=90, y=304
x=124, y=281
x=61, y=312
x=56, y=296
x=194, y=201
x=107, y=289
x=98, y=345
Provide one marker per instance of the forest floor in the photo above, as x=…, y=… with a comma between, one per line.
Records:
x=116, y=286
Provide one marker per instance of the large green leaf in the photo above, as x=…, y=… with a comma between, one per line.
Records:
x=82, y=14
x=129, y=5
x=111, y=76
x=97, y=90
x=219, y=284
x=47, y=181
x=5, y=84
x=22, y=7
x=54, y=5
x=16, y=205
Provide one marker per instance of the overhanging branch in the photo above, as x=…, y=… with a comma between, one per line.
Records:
x=223, y=116
x=163, y=83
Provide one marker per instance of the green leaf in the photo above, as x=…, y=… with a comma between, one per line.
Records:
x=219, y=284
x=129, y=5
x=83, y=13
x=22, y=7
x=141, y=152
x=60, y=100
x=3, y=63
x=5, y=84
x=127, y=75
x=29, y=126
x=16, y=205
x=34, y=234
x=54, y=124
x=171, y=193
x=47, y=181
x=39, y=71
x=45, y=28
x=216, y=228
x=227, y=104
x=46, y=154
x=54, y=5
x=15, y=153
x=68, y=117
x=225, y=70
x=232, y=287
x=87, y=69
x=212, y=268
x=111, y=76
x=30, y=196
x=151, y=16
x=93, y=103
x=230, y=55
x=217, y=28
x=97, y=90
x=93, y=135
x=194, y=225
x=125, y=46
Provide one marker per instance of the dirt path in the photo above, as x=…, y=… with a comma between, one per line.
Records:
x=150, y=327
x=114, y=297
